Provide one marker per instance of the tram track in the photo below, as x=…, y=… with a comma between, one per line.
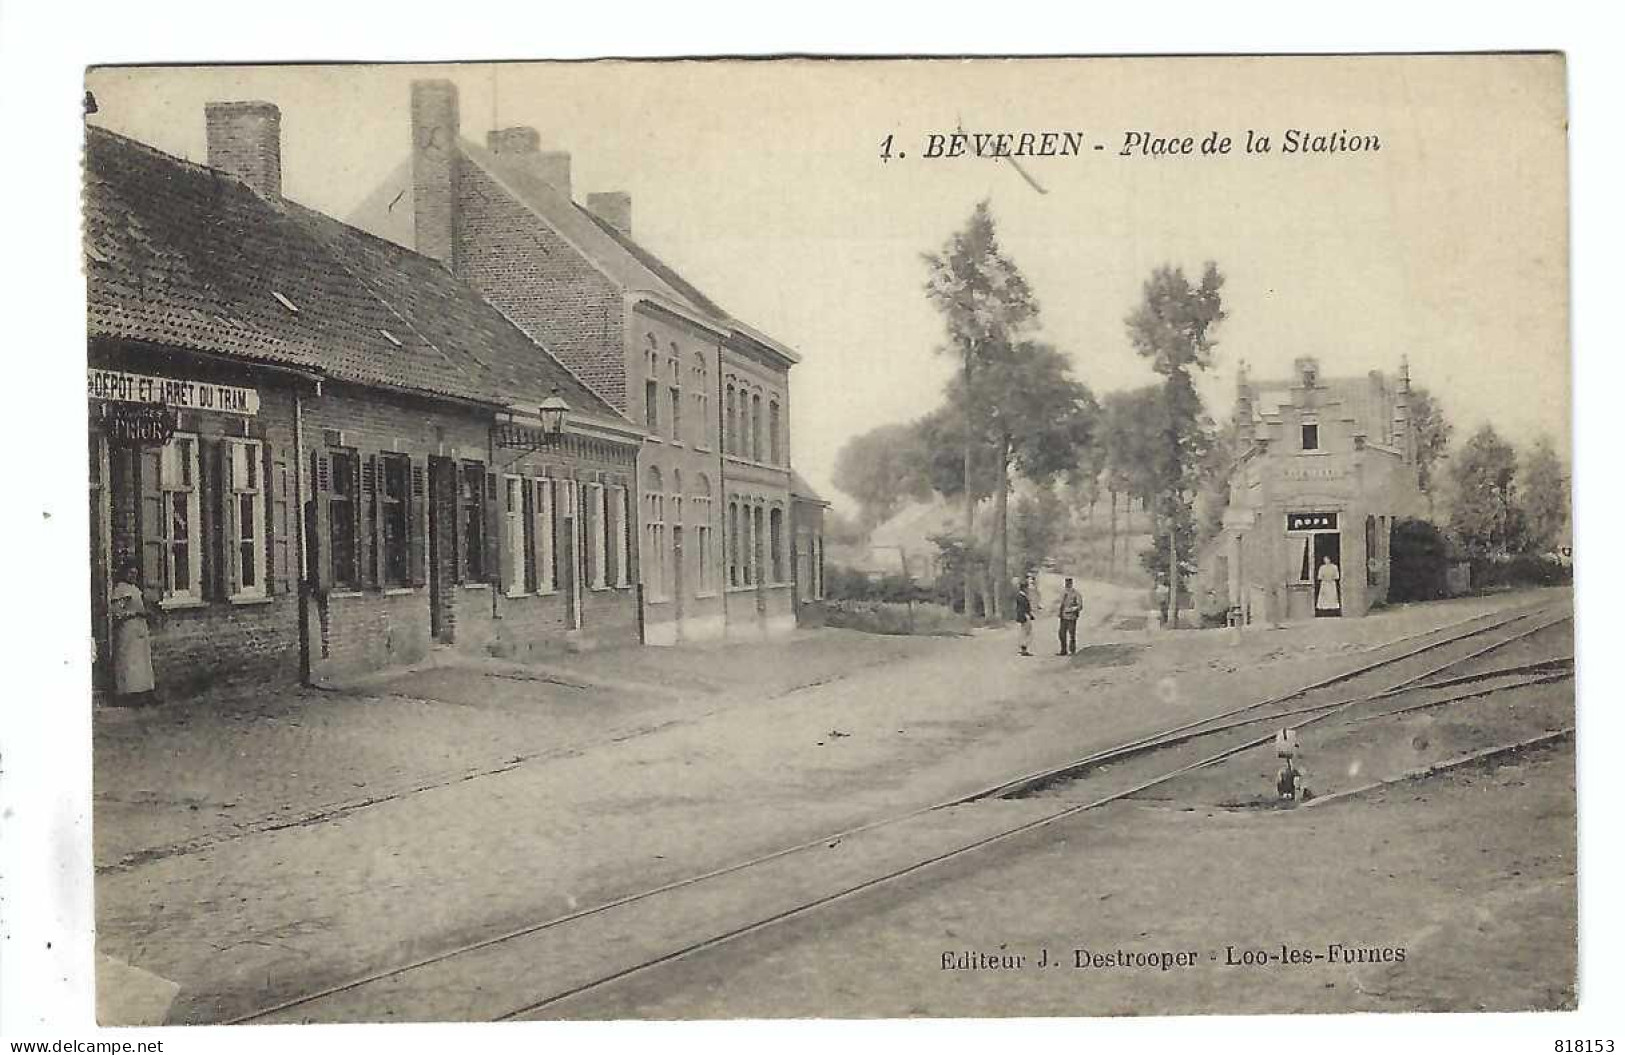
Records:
x=688, y=916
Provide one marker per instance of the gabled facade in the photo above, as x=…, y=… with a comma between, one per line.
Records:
x=712, y=394
x=1323, y=467
x=323, y=453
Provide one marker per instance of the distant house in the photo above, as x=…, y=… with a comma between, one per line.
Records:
x=322, y=452
x=1322, y=469
x=711, y=392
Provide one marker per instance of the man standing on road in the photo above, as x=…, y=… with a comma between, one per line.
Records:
x=1024, y=617
x=1071, y=608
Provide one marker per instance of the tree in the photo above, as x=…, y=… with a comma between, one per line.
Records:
x=1545, y=490
x=881, y=469
x=985, y=302
x=1037, y=420
x=1130, y=436
x=1172, y=328
x=1038, y=521
x=1432, y=431
x=1484, y=474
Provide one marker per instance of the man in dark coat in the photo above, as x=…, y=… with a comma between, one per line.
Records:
x=1071, y=608
x=1024, y=617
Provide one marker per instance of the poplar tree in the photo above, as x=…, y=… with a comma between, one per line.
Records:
x=1172, y=327
x=985, y=304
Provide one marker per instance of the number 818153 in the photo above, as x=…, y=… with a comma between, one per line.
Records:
x=1582, y=1047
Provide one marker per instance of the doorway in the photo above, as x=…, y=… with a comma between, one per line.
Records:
x=1328, y=595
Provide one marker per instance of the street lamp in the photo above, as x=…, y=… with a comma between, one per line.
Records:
x=552, y=412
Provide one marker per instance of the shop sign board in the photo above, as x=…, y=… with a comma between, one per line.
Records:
x=1311, y=521
x=115, y=386
x=138, y=424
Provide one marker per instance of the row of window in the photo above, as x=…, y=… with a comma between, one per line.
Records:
x=384, y=497
x=506, y=531
x=743, y=435
x=750, y=430
x=663, y=401
x=173, y=511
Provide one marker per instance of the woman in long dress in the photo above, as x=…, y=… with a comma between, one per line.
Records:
x=1327, y=598
x=132, y=648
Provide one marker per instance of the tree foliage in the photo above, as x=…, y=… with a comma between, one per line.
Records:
x=882, y=469
x=1172, y=328
x=1545, y=492
x=1432, y=431
x=1485, y=516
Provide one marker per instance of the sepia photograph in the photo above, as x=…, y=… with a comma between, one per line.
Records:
x=829, y=539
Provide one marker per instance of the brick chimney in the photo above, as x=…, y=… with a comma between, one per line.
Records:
x=435, y=156
x=614, y=207
x=245, y=139
x=524, y=143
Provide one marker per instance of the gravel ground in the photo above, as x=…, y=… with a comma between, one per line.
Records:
x=1471, y=875
x=448, y=804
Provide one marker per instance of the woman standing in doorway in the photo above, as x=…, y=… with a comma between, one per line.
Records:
x=132, y=648
x=1328, y=600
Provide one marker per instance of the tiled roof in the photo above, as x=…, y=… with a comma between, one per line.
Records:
x=630, y=265
x=187, y=256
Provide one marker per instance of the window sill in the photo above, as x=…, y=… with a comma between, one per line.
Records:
x=398, y=591
x=348, y=591
x=475, y=585
x=251, y=599
x=181, y=604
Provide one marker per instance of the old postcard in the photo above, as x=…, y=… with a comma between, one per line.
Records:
x=839, y=539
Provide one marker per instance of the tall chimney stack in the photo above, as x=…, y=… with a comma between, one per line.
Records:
x=435, y=154
x=614, y=208
x=245, y=139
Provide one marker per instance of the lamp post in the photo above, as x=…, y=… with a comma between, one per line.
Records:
x=552, y=412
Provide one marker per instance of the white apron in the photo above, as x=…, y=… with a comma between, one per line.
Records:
x=132, y=651
x=1327, y=597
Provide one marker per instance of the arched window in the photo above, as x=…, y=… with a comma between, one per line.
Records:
x=700, y=514
x=756, y=427
x=775, y=452
x=733, y=544
x=731, y=437
x=702, y=402
x=654, y=534
x=758, y=540
x=651, y=386
x=775, y=542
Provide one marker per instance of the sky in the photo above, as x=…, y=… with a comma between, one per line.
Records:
x=763, y=182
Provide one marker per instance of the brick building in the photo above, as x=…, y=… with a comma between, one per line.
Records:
x=1323, y=468
x=711, y=392
x=324, y=453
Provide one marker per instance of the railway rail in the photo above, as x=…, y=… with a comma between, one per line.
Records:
x=555, y=960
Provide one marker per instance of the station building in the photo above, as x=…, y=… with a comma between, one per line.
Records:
x=323, y=453
x=711, y=393
x=1323, y=468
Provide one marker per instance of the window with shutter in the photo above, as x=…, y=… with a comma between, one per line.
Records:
x=546, y=538
x=319, y=530
x=515, y=542
x=178, y=518
x=243, y=493
x=344, y=519
x=280, y=532
x=417, y=527
x=394, y=497
x=471, y=522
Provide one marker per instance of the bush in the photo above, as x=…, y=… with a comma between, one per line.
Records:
x=1525, y=569
x=1418, y=556
x=881, y=617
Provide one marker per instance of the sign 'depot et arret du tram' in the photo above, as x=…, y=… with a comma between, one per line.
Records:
x=139, y=409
